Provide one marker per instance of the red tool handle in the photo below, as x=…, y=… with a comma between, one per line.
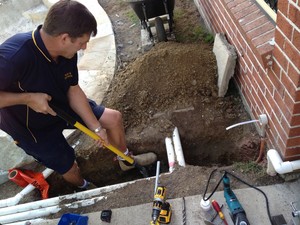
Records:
x=217, y=207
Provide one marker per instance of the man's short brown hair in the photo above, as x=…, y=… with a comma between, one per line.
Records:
x=71, y=17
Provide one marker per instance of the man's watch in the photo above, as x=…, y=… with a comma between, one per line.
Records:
x=98, y=129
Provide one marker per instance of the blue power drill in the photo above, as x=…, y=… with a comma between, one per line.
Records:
x=238, y=214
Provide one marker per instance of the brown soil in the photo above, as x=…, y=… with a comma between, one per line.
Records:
x=171, y=85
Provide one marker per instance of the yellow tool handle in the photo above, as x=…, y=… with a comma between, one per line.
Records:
x=109, y=146
x=87, y=131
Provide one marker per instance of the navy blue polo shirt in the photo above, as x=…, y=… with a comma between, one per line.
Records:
x=26, y=66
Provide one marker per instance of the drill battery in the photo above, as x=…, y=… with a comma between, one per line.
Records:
x=164, y=216
x=165, y=213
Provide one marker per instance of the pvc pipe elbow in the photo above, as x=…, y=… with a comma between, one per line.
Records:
x=277, y=164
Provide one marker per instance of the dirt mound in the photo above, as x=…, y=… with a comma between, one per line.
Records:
x=171, y=76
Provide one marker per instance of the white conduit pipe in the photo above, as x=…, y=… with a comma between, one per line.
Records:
x=241, y=123
x=178, y=148
x=17, y=198
x=276, y=165
x=52, y=202
x=170, y=154
x=24, y=216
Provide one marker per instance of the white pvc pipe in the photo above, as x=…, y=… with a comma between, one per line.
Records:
x=178, y=148
x=17, y=198
x=276, y=165
x=26, y=215
x=49, y=206
x=42, y=212
x=170, y=154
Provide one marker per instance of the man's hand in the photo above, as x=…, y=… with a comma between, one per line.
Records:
x=39, y=103
x=103, y=138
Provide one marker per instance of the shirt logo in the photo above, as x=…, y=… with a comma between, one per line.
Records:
x=68, y=75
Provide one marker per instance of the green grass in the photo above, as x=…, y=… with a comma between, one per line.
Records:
x=192, y=31
x=178, y=14
x=132, y=17
x=200, y=33
x=249, y=167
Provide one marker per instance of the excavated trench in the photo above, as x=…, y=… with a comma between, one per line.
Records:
x=204, y=143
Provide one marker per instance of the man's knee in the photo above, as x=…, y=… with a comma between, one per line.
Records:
x=113, y=117
x=73, y=170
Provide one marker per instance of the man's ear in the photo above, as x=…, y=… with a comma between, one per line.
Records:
x=64, y=37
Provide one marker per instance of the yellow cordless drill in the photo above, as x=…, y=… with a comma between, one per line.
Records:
x=161, y=210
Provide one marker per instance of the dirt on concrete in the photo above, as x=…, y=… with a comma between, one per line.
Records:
x=173, y=84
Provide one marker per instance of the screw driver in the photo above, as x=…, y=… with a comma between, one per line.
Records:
x=217, y=207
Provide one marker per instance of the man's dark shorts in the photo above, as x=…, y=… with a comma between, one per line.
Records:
x=55, y=152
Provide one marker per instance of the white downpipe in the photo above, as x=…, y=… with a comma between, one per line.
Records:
x=276, y=165
x=170, y=154
x=17, y=198
x=178, y=148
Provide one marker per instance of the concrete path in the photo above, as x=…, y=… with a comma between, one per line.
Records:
x=279, y=197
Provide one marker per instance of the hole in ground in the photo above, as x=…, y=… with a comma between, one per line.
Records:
x=204, y=144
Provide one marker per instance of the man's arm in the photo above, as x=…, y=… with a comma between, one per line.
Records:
x=79, y=103
x=36, y=101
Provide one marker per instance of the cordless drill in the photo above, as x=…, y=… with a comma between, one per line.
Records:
x=238, y=214
x=161, y=210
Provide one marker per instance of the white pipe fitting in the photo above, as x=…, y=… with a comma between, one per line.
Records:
x=276, y=165
x=263, y=119
x=178, y=148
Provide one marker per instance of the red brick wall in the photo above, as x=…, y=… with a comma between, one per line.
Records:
x=267, y=73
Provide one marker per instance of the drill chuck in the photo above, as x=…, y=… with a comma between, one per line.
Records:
x=156, y=209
